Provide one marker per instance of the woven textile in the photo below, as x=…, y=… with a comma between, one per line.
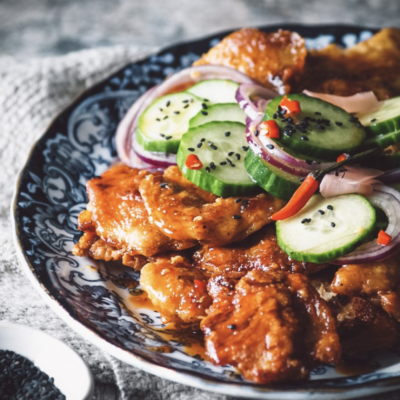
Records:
x=31, y=94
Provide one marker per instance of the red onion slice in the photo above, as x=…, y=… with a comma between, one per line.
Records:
x=388, y=200
x=360, y=102
x=390, y=177
x=253, y=99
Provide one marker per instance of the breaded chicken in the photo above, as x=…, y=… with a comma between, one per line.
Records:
x=379, y=282
x=373, y=64
x=116, y=223
x=176, y=289
x=259, y=251
x=272, y=326
x=270, y=58
x=184, y=212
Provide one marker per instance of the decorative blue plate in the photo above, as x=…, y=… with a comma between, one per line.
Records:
x=98, y=299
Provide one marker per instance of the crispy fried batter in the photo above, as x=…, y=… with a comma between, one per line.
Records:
x=176, y=289
x=379, y=282
x=271, y=58
x=185, y=212
x=370, y=65
x=271, y=327
x=116, y=222
x=259, y=251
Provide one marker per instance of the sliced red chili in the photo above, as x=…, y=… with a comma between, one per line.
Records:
x=200, y=285
x=342, y=157
x=292, y=107
x=193, y=162
x=270, y=129
x=383, y=238
x=299, y=199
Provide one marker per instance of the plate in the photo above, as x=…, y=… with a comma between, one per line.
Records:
x=71, y=375
x=100, y=300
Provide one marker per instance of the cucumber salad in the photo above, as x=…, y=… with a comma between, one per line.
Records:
x=335, y=160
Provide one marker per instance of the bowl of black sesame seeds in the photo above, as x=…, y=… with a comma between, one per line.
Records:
x=37, y=366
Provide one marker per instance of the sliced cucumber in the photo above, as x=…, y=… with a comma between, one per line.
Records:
x=385, y=119
x=163, y=123
x=382, y=140
x=319, y=234
x=221, y=148
x=219, y=112
x=327, y=132
x=272, y=179
x=215, y=91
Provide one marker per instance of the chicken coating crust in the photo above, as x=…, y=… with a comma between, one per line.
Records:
x=379, y=282
x=370, y=65
x=270, y=58
x=116, y=222
x=272, y=326
x=177, y=290
x=259, y=251
x=183, y=211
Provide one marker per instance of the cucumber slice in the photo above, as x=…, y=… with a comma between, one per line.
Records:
x=385, y=119
x=215, y=91
x=213, y=145
x=318, y=138
x=163, y=123
x=383, y=140
x=219, y=112
x=272, y=179
x=330, y=235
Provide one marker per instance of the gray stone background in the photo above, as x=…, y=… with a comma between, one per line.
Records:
x=36, y=28
x=33, y=29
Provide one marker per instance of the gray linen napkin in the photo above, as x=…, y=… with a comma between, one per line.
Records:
x=31, y=94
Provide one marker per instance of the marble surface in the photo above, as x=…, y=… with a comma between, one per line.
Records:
x=50, y=27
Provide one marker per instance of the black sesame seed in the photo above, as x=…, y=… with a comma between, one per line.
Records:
x=168, y=137
x=161, y=109
x=232, y=165
x=206, y=100
x=236, y=216
x=187, y=105
x=231, y=326
x=333, y=224
x=162, y=135
x=185, y=101
x=317, y=113
x=177, y=112
x=158, y=119
x=309, y=162
x=208, y=169
x=336, y=173
x=302, y=179
x=373, y=120
x=284, y=120
x=163, y=184
x=213, y=146
x=339, y=123
x=204, y=112
x=329, y=207
x=245, y=202
x=222, y=163
x=321, y=212
x=353, y=119
x=275, y=116
x=229, y=161
x=168, y=103
x=270, y=146
x=202, y=140
x=238, y=200
x=190, y=148
x=256, y=133
x=231, y=153
x=304, y=220
x=165, y=117
x=199, y=145
x=227, y=134
x=304, y=138
x=237, y=155
x=204, y=105
x=245, y=148
x=212, y=165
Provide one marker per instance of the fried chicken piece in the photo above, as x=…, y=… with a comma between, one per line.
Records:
x=176, y=289
x=116, y=223
x=259, y=251
x=379, y=282
x=183, y=211
x=363, y=326
x=272, y=326
x=370, y=65
x=271, y=58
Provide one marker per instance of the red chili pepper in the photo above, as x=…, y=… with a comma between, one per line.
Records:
x=200, y=285
x=383, y=238
x=193, y=162
x=292, y=107
x=299, y=199
x=270, y=129
x=342, y=157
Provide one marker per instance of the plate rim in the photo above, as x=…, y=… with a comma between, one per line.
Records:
x=378, y=385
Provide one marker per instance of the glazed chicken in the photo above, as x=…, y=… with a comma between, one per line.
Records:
x=272, y=326
x=273, y=58
x=184, y=212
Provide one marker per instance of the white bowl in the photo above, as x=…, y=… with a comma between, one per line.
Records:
x=71, y=375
